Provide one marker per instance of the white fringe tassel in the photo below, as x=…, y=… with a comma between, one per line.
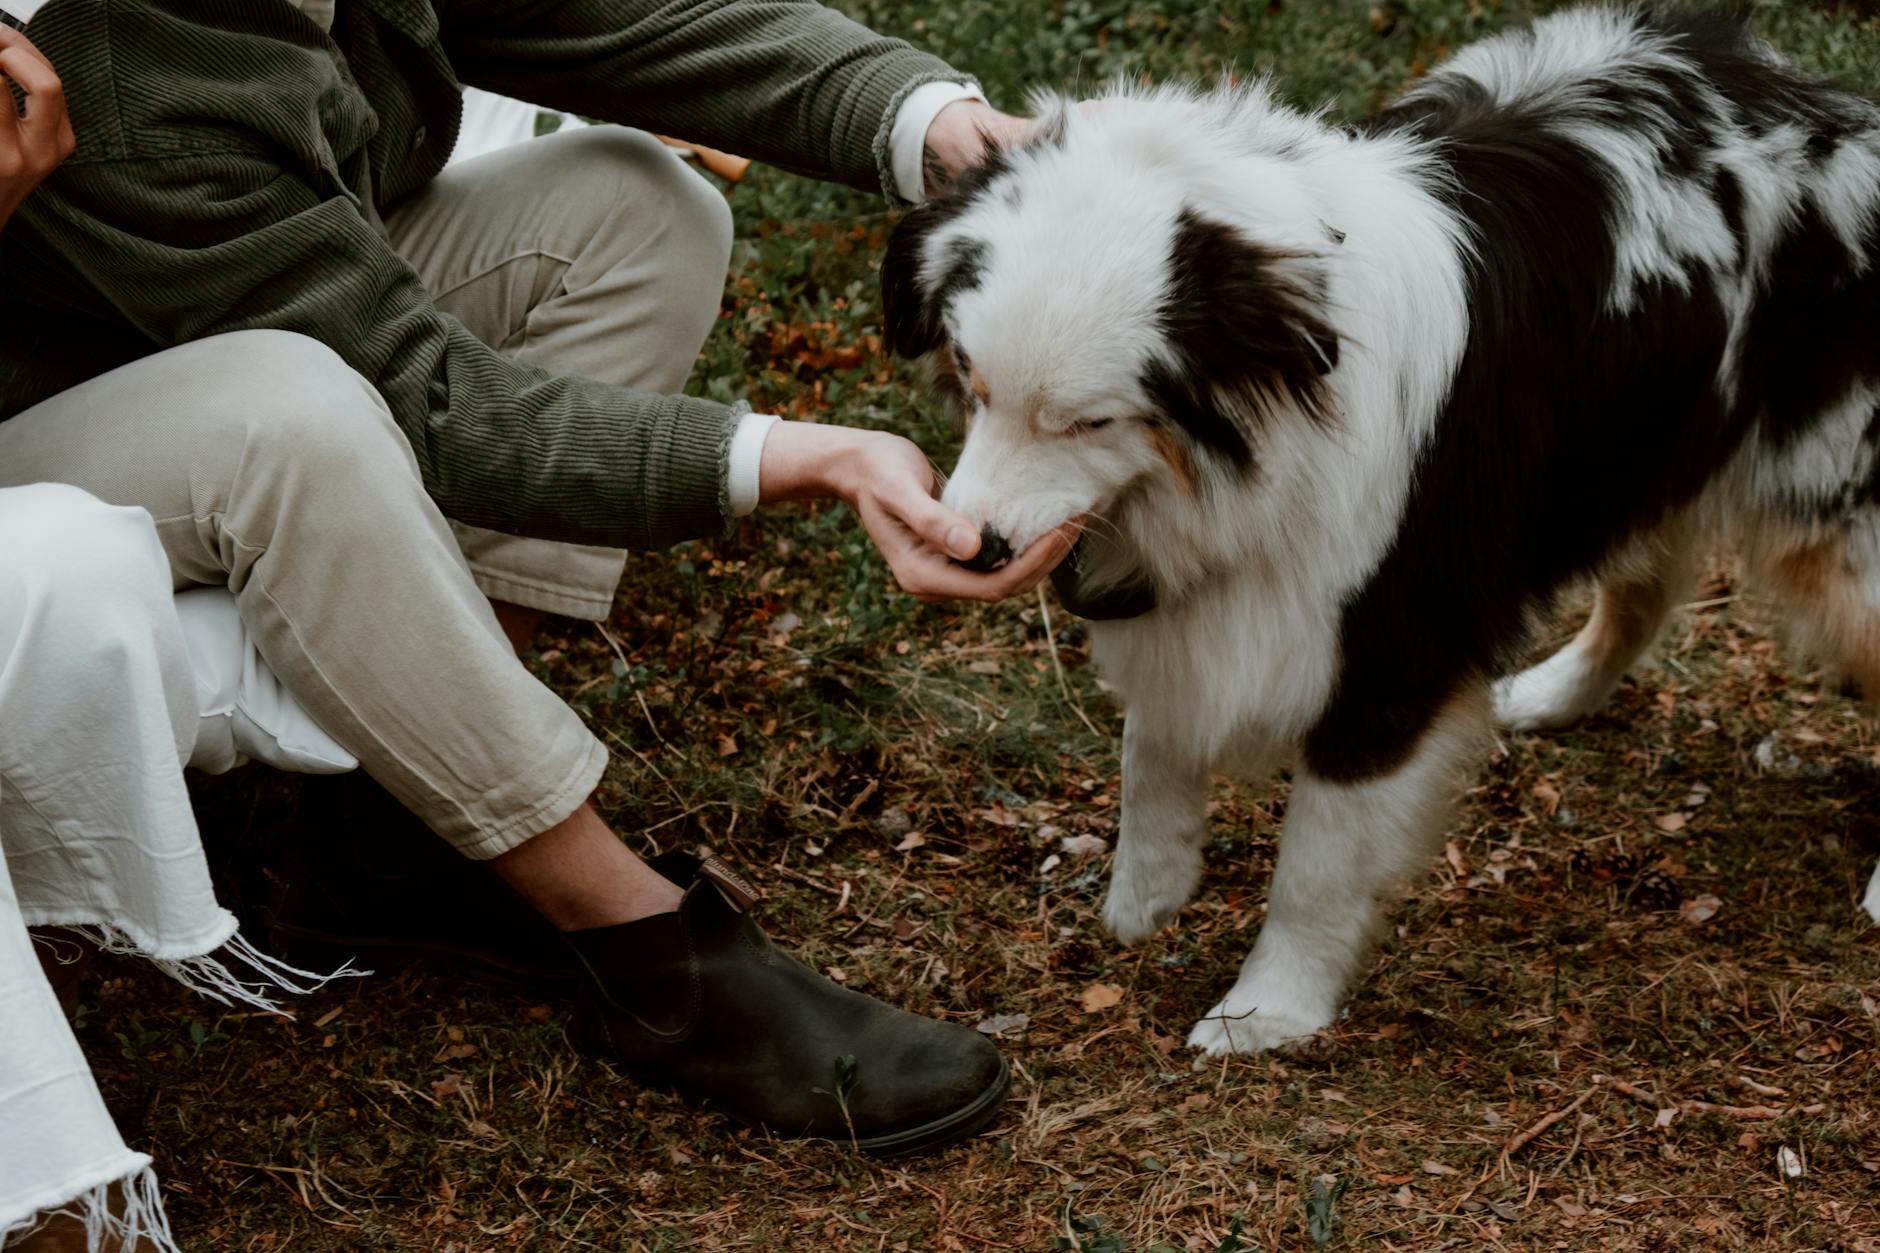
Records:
x=114, y=1223
x=208, y=975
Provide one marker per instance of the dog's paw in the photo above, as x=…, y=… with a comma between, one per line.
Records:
x=1143, y=900
x=1240, y=1024
x=1133, y=918
x=1555, y=694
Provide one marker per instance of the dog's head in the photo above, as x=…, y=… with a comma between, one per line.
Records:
x=1113, y=309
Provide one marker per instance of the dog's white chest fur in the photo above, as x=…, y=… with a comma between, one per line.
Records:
x=1233, y=676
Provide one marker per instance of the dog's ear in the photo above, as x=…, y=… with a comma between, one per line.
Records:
x=1249, y=319
x=909, y=311
x=914, y=298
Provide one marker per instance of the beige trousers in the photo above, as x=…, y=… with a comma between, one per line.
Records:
x=597, y=253
x=272, y=468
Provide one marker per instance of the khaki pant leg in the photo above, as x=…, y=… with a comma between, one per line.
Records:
x=271, y=468
x=596, y=253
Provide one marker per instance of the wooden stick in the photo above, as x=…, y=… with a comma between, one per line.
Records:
x=1760, y=1089
x=805, y=880
x=1521, y=1141
x=1733, y=1111
x=1625, y=1089
x=1688, y=1107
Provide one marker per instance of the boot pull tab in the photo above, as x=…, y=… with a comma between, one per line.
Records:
x=736, y=890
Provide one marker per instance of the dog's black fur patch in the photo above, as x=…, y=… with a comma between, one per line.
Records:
x=913, y=312
x=1242, y=320
x=1572, y=428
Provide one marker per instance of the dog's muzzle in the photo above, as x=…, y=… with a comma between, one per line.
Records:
x=993, y=552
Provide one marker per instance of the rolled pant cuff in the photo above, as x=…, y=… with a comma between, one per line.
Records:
x=569, y=604
x=574, y=580
x=487, y=842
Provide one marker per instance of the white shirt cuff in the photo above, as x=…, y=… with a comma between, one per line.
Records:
x=908, y=137
x=743, y=468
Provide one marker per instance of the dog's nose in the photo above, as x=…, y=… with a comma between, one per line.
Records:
x=993, y=552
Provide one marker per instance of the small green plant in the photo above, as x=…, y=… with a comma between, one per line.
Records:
x=1086, y=1234
x=199, y=1037
x=847, y=1072
x=1232, y=1243
x=1321, y=1209
x=137, y=1041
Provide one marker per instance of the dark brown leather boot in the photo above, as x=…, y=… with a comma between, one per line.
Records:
x=702, y=1001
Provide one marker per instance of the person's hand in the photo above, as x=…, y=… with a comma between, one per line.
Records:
x=958, y=137
x=32, y=142
x=962, y=133
x=889, y=482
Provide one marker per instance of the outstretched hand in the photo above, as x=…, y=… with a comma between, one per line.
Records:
x=33, y=140
x=890, y=484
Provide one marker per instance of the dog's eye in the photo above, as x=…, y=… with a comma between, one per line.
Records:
x=1085, y=428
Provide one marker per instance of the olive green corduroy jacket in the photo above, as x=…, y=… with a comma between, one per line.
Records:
x=232, y=156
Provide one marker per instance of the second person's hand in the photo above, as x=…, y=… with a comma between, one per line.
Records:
x=35, y=140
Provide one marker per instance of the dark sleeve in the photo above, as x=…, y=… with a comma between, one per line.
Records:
x=787, y=82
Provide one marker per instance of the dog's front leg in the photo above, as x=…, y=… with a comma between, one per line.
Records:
x=1158, y=853
x=1343, y=845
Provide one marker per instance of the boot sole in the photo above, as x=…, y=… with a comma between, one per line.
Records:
x=966, y=1121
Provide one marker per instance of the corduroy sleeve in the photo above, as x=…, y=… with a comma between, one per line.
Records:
x=787, y=82
x=200, y=244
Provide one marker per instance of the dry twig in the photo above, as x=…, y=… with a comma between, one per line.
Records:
x=1518, y=1142
x=1689, y=1107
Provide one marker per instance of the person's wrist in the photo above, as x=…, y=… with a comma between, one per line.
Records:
x=811, y=461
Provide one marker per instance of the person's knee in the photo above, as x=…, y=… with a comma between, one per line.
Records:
x=622, y=166
x=702, y=228
x=703, y=215
x=300, y=404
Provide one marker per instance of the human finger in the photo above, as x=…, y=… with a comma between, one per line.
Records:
x=40, y=125
x=10, y=38
x=939, y=527
x=929, y=575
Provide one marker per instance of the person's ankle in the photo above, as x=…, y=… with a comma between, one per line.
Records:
x=579, y=876
x=520, y=623
x=588, y=912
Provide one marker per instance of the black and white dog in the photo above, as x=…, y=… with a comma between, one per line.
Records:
x=1346, y=406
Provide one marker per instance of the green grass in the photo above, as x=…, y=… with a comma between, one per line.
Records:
x=775, y=700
